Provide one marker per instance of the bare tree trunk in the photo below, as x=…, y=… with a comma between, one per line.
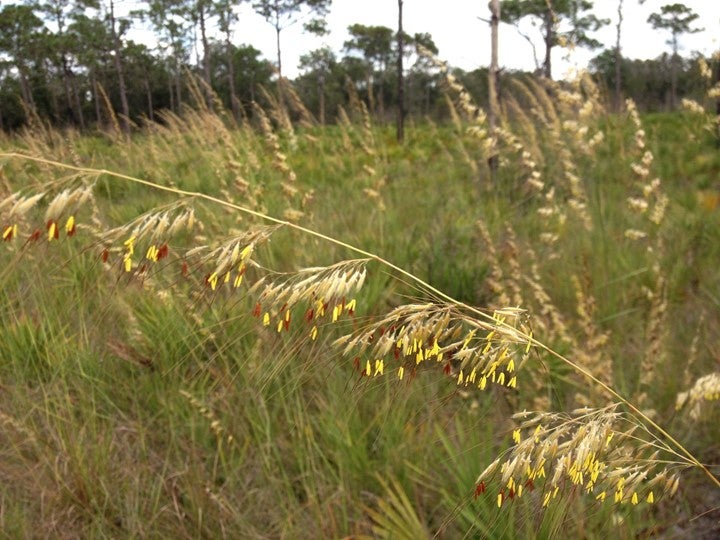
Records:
x=96, y=101
x=400, y=77
x=493, y=104
x=618, y=60
x=148, y=94
x=76, y=100
x=171, y=90
x=206, y=56
x=25, y=88
x=73, y=103
x=118, y=68
x=178, y=89
x=321, y=94
x=68, y=92
x=281, y=99
x=549, y=23
x=54, y=105
x=279, y=55
x=673, y=73
x=231, y=78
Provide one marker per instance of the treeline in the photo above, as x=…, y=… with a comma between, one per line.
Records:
x=70, y=63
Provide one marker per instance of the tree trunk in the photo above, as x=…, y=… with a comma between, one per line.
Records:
x=618, y=60
x=25, y=89
x=400, y=77
x=281, y=99
x=171, y=91
x=76, y=99
x=52, y=94
x=673, y=72
x=493, y=104
x=321, y=94
x=231, y=78
x=148, y=94
x=206, y=56
x=178, y=88
x=279, y=52
x=96, y=101
x=119, y=70
x=73, y=104
x=548, y=25
x=68, y=93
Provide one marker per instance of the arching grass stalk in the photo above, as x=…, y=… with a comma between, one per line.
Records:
x=527, y=338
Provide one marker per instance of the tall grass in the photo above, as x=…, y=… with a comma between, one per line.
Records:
x=280, y=330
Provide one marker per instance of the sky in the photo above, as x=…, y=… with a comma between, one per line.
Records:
x=463, y=39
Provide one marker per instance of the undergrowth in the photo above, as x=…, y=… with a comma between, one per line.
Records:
x=280, y=329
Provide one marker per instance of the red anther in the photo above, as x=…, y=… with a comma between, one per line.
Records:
x=162, y=252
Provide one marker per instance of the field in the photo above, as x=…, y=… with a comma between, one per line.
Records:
x=283, y=330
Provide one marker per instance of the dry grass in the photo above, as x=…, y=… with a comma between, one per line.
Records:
x=275, y=373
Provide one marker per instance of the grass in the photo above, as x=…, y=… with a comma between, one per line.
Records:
x=155, y=403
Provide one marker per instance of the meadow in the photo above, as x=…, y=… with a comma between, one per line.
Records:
x=276, y=329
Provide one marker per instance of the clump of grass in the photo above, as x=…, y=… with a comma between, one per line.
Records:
x=274, y=323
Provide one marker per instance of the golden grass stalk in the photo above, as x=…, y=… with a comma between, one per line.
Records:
x=593, y=451
x=694, y=400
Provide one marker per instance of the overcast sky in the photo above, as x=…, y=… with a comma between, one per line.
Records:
x=463, y=39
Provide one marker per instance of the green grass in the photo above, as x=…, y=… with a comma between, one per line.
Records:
x=155, y=407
